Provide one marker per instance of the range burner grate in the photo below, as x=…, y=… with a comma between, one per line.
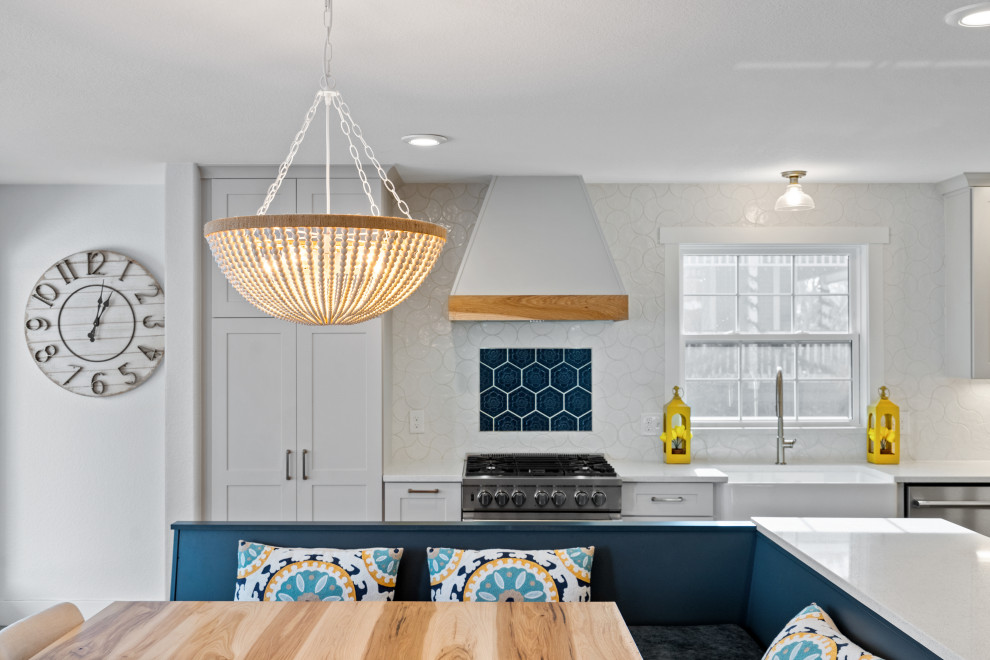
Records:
x=537, y=465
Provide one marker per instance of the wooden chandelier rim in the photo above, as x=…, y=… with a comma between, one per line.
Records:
x=344, y=221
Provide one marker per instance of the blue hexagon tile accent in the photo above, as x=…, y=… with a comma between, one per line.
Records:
x=535, y=389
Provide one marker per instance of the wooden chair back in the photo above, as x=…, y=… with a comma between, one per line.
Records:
x=27, y=637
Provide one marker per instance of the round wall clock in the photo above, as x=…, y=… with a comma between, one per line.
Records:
x=95, y=323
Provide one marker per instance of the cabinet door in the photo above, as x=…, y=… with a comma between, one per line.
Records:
x=423, y=502
x=253, y=420
x=340, y=421
x=235, y=197
x=346, y=196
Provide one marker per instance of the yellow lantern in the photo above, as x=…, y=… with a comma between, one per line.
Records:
x=676, y=435
x=883, y=431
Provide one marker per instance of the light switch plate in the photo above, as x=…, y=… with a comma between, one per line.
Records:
x=417, y=421
x=649, y=424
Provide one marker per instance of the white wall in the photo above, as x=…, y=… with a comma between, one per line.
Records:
x=81, y=479
x=435, y=362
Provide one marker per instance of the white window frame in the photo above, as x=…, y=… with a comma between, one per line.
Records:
x=867, y=242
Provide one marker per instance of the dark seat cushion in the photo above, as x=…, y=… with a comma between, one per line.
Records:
x=695, y=642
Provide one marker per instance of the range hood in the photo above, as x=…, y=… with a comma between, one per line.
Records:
x=537, y=253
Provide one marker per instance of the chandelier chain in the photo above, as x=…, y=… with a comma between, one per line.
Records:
x=284, y=168
x=352, y=126
x=327, y=82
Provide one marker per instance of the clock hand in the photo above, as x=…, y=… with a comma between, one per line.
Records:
x=101, y=308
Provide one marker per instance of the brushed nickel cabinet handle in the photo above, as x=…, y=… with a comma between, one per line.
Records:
x=667, y=499
x=288, y=457
x=305, y=454
x=424, y=491
x=950, y=504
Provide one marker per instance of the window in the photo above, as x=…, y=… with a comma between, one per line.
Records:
x=742, y=301
x=747, y=311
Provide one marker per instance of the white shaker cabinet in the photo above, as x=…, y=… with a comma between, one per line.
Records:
x=967, y=278
x=659, y=501
x=295, y=415
x=423, y=501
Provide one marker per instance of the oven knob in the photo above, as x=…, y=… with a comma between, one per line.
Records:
x=542, y=498
x=581, y=498
x=518, y=497
x=484, y=498
x=598, y=498
x=558, y=498
x=501, y=498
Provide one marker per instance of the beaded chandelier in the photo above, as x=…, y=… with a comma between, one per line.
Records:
x=326, y=269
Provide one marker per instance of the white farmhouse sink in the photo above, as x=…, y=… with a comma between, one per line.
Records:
x=805, y=490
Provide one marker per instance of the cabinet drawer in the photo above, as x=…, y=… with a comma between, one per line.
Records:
x=422, y=501
x=668, y=499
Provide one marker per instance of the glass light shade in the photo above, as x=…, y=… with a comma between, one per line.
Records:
x=324, y=269
x=794, y=199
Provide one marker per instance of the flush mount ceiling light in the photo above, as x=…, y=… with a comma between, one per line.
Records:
x=977, y=15
x=424, y=139
x=326, y=269
x=794, y=198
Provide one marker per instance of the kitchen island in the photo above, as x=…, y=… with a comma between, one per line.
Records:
x=929, y=578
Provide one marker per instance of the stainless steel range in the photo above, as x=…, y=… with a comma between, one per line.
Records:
x=540, y=487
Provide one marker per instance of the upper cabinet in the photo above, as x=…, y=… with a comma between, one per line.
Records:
x=967, y=275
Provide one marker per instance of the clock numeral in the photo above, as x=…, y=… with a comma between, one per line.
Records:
x=134, y=377
x=141, y=296
x=153, y=323
x=74, y=374
x=151, y=353
x=46, y=293
x=126, y=266
x=66, y=270
x=37, y=323
x=98, y=386
x=46, y=354
x=95, y=261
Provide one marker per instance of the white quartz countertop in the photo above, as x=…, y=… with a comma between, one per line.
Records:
x=442, y=473
x=657, y=472
x=937, y=471
x=928, y=577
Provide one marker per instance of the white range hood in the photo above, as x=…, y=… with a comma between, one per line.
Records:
x=537, y=253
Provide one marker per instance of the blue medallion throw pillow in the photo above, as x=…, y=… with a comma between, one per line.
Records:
x=499, y=575
x=812, y=635
x=266, y=572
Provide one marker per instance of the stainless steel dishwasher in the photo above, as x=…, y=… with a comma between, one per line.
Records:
x=964, y=504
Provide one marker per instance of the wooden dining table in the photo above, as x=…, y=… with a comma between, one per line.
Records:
x=351, y=631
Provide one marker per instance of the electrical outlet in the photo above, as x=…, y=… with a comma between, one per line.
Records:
x=417, y=421
x=649, y=424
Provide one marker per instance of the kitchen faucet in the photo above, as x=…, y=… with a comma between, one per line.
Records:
x=782, y=444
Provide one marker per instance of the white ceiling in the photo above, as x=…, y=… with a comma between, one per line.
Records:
x=615, y=90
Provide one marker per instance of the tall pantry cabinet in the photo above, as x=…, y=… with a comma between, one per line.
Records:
x=295, y=412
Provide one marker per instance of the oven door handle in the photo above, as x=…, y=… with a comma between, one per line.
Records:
x=667, y=499
x=949, y=504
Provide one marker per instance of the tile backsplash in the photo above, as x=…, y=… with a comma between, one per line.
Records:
x=435, y=362
x=534, y=389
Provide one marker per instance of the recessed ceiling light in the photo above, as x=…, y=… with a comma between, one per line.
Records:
x=977, y=15
x=424, y=139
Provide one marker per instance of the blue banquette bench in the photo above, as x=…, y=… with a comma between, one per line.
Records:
x=659, y=574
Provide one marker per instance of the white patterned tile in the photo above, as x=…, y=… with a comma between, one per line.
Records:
x=435, y=362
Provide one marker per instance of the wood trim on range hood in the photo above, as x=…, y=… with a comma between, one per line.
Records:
x=538, y=308
x=537, y=253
